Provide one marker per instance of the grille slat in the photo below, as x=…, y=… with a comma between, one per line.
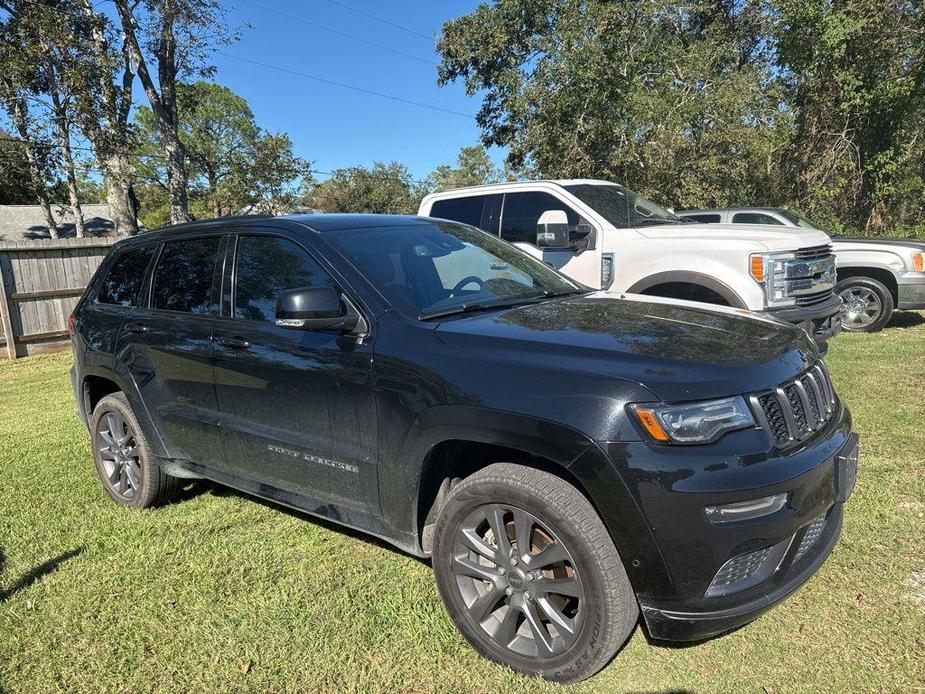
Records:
x=813, y=252
x=796, y=409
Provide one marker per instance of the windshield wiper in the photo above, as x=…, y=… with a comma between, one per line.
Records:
x=481, y=306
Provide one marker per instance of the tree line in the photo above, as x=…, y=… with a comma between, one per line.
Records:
x=811, y=104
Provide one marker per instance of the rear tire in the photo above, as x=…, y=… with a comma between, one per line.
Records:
x=868, y=304
x=124, y=462
x=559, y=610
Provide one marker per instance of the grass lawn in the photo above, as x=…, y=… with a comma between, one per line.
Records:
x=221, y=592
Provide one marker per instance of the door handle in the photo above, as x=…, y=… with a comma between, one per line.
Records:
x=232, y=342
x=135, y=328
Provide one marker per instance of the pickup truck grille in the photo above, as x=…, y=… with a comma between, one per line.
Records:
x=796, y=409
x=814, y=298
x=814, y=252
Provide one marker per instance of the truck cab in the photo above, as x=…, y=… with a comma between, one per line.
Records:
x=608, y=237
x=875, y=275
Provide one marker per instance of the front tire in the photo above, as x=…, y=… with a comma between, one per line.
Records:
x=868, y=304
x=124, y=462
x=529, y=574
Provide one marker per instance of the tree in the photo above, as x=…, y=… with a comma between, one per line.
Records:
x=384, y=188
x=670, y=97
x=176, y=35
x=854, y=74
x=15, y=187
x=231, y=163
x=473, y=168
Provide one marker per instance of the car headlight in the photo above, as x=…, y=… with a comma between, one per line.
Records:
x=918, y=262
x=699, y=422
x=770, y=271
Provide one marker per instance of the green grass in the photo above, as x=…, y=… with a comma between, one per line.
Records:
x=223, y=593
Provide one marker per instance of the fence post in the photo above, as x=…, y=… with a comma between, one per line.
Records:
x=5, y=308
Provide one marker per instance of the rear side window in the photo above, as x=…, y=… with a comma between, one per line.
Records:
x=522, y=211
x=703, y=218
x=467, y=210
x=753, y=218
x=266, y=266
x=123, y=282
x=183, y=278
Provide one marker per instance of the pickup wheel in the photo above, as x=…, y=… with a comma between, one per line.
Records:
x=124, y=462
x=868, y=304
x=529, y=574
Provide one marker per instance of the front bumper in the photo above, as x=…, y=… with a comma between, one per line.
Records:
x=820, y=322
x=672, y=485
x=911, y=294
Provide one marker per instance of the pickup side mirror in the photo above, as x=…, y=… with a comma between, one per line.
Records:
x=315, y=308
x=552, y=230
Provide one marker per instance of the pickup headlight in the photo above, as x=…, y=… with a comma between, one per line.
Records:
x=699, y=422
x=918, y=262
x=770, y=271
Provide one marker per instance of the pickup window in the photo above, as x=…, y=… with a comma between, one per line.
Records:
x=522, y=211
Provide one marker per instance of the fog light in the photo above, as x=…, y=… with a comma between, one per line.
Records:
x=746, y=510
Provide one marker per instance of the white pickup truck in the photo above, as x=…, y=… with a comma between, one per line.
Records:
x=608, y=237
x=875, y=276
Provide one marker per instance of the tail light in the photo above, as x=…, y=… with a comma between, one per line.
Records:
x=71, y=324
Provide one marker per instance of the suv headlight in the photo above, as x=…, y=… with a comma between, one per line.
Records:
x=770, y=271
x=699, y=422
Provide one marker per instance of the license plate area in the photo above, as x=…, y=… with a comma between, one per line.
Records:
x=846, y=468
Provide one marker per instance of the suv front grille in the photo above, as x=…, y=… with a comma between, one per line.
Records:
x=796, y=409
x=814, y=252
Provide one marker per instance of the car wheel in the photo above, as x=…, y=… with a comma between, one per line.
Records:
x=868, y=304
x=124, y=462
x=530, y=575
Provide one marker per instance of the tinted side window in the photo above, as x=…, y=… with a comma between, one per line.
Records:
x=703, y=218
x=522, y=211
x=183, y=278
x=753, y=218
x=123, y=281
x=467, y=210
x=266, y=266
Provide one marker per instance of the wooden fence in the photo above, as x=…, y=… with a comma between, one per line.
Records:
x=41, y=282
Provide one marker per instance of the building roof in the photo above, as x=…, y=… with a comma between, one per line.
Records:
x=27, y=223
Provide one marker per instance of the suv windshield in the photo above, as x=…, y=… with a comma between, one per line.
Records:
x=439, y=268
x=622, y=207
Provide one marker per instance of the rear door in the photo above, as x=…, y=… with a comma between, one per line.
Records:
x=166, y=346
x=297, y=405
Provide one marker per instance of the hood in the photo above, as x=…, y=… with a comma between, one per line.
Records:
x=678, y=353
x=770, y=236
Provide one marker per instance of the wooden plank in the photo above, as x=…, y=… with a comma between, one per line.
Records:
x=48, y=294
x=5, y=321
x=38, y=337
x=25, y=246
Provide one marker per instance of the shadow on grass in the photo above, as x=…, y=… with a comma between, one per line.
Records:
x=35, y=574
x=906, y=319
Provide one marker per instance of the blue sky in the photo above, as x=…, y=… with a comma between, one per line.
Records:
x=336, y=127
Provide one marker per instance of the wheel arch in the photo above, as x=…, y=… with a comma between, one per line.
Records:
x=886, y=276
x=694, y=279
x=457, y=441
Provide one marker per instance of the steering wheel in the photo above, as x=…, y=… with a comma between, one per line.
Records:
x=467, y=280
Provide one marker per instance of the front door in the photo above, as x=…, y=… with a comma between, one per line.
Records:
x=296, y=405
x=519, y=216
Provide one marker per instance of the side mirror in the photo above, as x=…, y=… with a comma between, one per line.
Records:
x=314, y=308
x=552, y=230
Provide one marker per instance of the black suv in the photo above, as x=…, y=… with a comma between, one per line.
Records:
x=566, y=458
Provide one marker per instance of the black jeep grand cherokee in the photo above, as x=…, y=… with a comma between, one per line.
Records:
x=567, y=459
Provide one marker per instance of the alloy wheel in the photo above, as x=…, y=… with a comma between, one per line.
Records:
x=862, y=307
x=518, y=581
x=119, y=454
